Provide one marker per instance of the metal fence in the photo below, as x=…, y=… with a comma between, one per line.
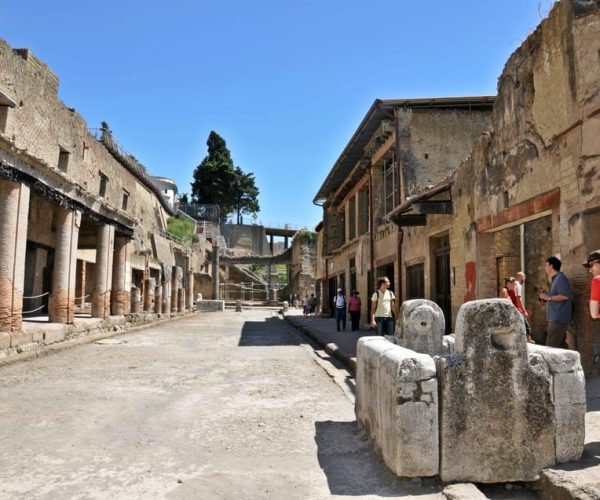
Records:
x=249, y=291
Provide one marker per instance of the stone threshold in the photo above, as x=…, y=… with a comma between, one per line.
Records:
x=40, y=339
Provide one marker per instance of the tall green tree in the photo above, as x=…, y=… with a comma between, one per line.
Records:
x=246, y=194
x=215, y=177
x=217, y=181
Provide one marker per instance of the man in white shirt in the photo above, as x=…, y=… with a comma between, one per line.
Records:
x=383, y=308
x=340, y=309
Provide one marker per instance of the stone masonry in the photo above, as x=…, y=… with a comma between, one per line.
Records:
x=495, y=410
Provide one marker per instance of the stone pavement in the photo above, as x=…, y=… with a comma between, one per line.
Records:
x=578, y=480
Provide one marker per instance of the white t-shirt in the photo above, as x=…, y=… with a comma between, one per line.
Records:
x=384, y=303
x=340, y=301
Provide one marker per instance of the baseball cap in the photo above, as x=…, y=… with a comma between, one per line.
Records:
x=592, y=257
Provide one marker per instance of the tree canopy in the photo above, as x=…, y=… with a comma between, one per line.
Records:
x=217, y=181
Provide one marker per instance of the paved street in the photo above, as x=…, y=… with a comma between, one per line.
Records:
x=221, y=405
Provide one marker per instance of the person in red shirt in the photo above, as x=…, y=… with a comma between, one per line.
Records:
x=354, y=306
x=593, y=265
x=509, y=284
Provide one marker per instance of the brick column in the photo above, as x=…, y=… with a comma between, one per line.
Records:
x=149, y=294
x=158, y=298
x=166, y=295
x=120, y=295
x=104, y=264
x=174, y=288
x=215, y=272
x=189, y=299
x=14, y=209
x=181, y=300
x=61, y=307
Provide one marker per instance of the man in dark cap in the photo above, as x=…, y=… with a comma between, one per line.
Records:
x=593, y=265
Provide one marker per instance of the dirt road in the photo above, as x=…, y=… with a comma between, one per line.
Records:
x=222, y=405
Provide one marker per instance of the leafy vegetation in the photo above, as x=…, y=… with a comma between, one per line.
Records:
x=181, y=227
x=217, y=181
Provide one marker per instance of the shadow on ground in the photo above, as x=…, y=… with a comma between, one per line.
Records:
x=266, y=333
x=353, y=469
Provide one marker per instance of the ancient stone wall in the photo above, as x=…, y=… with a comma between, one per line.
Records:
x=425, y=406
x=439, y=141
x=54, y=144
x=542, y=159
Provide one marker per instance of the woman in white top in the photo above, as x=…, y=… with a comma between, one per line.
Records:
x=383, y=307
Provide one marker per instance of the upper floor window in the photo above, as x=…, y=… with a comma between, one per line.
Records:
x=63, y=159
x=103, y=184
x=125, y=199
x=352, y=219
x=390, y=185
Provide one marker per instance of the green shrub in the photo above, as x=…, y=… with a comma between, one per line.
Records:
x=181, y=227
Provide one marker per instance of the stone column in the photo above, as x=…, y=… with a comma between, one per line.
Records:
x=136, y=300
x=189, y=299
x=215, y=271
x=181, y=300
x=14, y=209
x=166, y=294
x=104, y=264
x=158, y=299
x=61, y=307
x=174, y=289
x=120, y=295
x=149, y=294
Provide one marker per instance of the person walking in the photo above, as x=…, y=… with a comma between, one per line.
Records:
x=383, y=307
x=340, y=303
x=559, y=303
x=354, y=305
x=593, y=266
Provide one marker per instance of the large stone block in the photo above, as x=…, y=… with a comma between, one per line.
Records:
x=568, y=397
x=492, y=397
x=421, y=327
x=397, y=404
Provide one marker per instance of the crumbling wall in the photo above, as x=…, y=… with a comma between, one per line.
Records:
x=542, y=158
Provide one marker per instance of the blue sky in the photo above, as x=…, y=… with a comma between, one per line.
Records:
x=286, y=83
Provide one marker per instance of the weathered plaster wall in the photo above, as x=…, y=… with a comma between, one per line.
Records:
x=439, y=141
x=41, y=126
x=546, y=124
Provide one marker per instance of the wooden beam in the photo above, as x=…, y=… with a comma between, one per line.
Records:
x=410, y=220
x=433, y=207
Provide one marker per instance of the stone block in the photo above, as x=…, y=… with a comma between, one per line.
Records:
x=390, y=383
x=463, y=491
x=17, y=339
x=421, y=326
x=48, y=336
x=491, y=396
x=368, y=363
x=4, y=340
x=569, y=388
x=558, y=360
x=570, y=431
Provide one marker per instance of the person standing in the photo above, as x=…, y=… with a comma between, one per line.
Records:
x=559, y=303
x=354, y=305
x=511, y=291
x=593, y=266
x=340, y=309
x=520, y=289
x=383, y=307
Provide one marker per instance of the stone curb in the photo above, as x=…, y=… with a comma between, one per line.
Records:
x=40, y=350
x=330, y=348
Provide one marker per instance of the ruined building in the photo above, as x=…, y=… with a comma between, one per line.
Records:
x=81, y=221
x=401, y=147
x=528, y=189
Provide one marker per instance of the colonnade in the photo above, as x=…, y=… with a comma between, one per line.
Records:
x=112, y=294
